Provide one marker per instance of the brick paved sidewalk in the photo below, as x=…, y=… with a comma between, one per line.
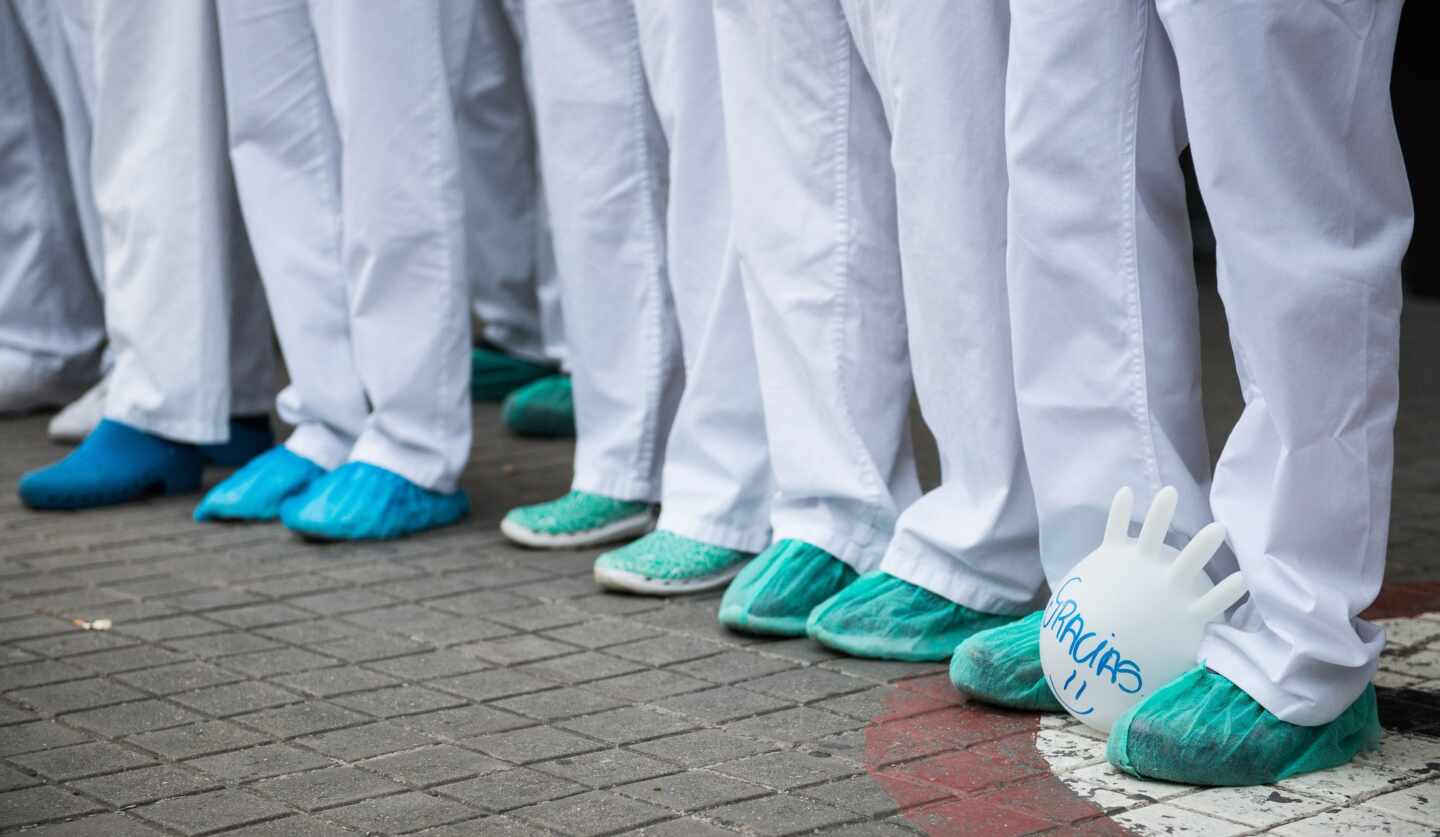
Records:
x=252, y=684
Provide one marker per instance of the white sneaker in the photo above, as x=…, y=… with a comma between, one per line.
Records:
x=21, y=391
x=75, y=422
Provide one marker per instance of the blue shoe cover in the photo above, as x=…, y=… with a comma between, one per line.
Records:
x=774, y=594
x=885, y=618
x=1204, y=730
x=360, y=501
x=1001, y=666
x=250, y=436
x=115, y=464
x=256, y=491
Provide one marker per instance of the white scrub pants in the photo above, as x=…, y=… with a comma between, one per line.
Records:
x=866, y=143
x=344, y=139
x=632, y=141
x=51, y=314
x=185, y=312
x=517, y=296
x=1288, y=111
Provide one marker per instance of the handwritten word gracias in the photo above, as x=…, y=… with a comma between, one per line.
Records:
x=1063, y=617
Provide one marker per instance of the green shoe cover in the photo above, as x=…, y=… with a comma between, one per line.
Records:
x=882, y=617
x=775, y=593
x=578, y=519
x=664, y=563
x=1002, y=666
x=544, y=408
x=1204, y=730
x=494, y=374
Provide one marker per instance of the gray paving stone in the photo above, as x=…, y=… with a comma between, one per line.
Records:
x=337, y=602
x=131, y=718
x=795, y=725
x=787, y=769
x=278, y=661
x=602, y=633
x=734, y=666
x=41, y=804
x=199, y=739
x=130, y=658
x=180, y=677
x=364, y=648
x=537, y=618
x=100, y=825
x=497, y=826
x=428, y=666
x=683, y=827
x=236, y=698
x=518, y=648
x=722, y=704
x=355, y=743
x=258, y=762
x=649, y=686
x=399, y=700
x=511, y=789
x=465, y=722
x=594, y=813
x=82, y=760
x=702, y=748
x=607, y=768
x=434, y=765
x=12, y=714
x=312, y=633
x=489, y=685
x=12, y=779
x=776, y=816
x=692, y=791
x=258, y=615
x=532, y=744
x=171, y=627
x=74, y=695
x=40, y=673
x=208, y=813
x=145, y=784
x=301, y=719
x=666, y=650
x=583, y=667
x=865, y=796
x=77, y=642
x=327, y=788
x=214, y=646
x=806, y=684
x=628, y=724
x=401, y=813
x=558, y=704
x=301, y=826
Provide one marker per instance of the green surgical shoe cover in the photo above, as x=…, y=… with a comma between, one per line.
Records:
x=775, y=593
x=578, y=511
x=882, y=617
x=671, y=557
x=1204, y=730
x=1002, y=666
x=545, y=408
x=495, y=374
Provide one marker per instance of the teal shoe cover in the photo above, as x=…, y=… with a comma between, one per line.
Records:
x=1002, y=666
x=1204, y=730
x=257, y=491
x=545, y=408
x=578, y=519
x=882, y=617
x=495, y=374
x=360, y=501
x=250, y=436
x=116, y=463
x=774, y=594
x=664, y=564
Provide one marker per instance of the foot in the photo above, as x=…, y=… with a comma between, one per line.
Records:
x=1204, y=730
x=250, y=436
x=495, y=374
x=666, y=564
x=544, y=408
x=115, y=464
x=774, y=594
x=360, y=501
x=1002, y=666
x=882, y=617
x=578, y=519
x=257, y=491
x=81, y=416
x=22, y=392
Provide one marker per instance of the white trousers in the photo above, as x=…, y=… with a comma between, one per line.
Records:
x=344, y=139
x=51, y=314
x=517, y=295
x=866, y=144
x=632, y=141
x=185, y=312
x=1287, y=107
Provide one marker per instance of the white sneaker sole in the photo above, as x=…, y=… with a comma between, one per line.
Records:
x=626, y=528
x=636, y=583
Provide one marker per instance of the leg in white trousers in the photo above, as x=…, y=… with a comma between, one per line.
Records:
x=642, y=233
x=51, y=317
x=346, y=151
x=1287, y=109
x=510, y=262
x=939, y=69
x=816, y=233
x=184, y=309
